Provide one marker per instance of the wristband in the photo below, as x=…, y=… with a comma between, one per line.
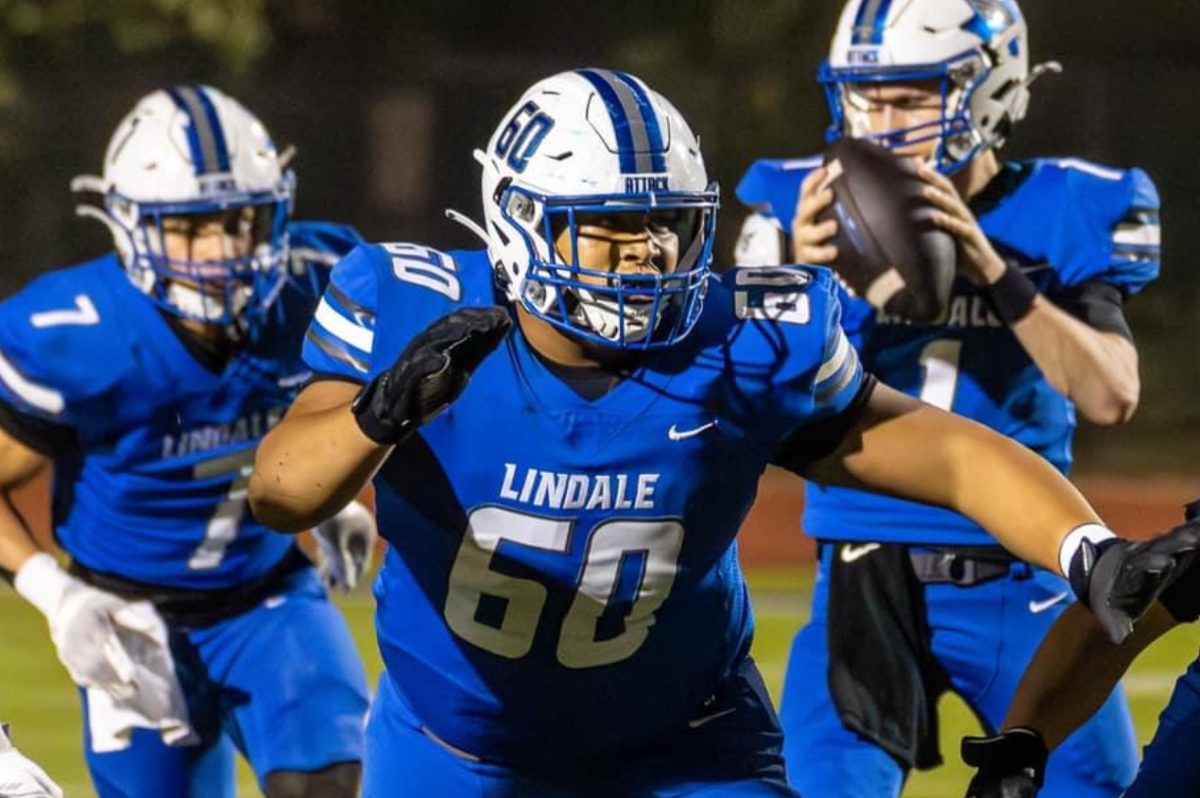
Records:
x=42, y=582
x=1012, y=296
x=1093, y=533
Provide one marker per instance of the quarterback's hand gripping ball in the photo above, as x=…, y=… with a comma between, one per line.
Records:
x=889, y=251
x=430, y=373
x=1011, y=765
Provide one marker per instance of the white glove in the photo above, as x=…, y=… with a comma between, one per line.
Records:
x=20, y=777
x=345, y=546
x=156, y=701
x=83, y=625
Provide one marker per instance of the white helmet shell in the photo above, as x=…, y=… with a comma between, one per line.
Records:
x=194, y=150
x=585, y=140
x=978, y=47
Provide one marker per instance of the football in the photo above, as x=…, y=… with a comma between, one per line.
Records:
x=889, y=250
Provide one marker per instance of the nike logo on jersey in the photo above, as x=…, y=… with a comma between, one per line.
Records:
x=677, y=435
x=696, y=723
x=1041, y=606
x=850, y=553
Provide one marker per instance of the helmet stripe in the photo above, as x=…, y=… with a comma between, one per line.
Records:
x=870, y=22
x=218, y=132
x=633, y=137
x=205, y=139
x=199, y=163
x=658, y=161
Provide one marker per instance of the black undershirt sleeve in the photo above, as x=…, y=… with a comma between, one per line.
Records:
x=809, y=443
x=44, y=437
x=1097, y=304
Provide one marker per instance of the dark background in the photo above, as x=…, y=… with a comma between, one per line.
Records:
x=386, y=100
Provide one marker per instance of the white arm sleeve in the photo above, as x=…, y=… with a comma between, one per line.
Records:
x=760, y=243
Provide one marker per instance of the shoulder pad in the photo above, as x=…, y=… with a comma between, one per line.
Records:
x=772, y=186
x=320, y=243
x=60, y=343
x=1088, y=221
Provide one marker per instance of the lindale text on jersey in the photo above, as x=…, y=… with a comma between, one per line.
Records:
x=563, y=491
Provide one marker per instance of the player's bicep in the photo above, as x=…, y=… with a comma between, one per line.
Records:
x=900, y=446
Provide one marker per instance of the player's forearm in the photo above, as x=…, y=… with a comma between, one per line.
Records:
x=1074, y=671
x=908, y=449
x=1098, y=371
x=309, y=467
x=16, y=542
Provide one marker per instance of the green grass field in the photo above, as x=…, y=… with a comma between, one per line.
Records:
x=38, y=700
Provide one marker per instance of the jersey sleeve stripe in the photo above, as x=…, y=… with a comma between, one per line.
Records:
x=363, y=315
x=37, y=396
x=342, y=328
x=841, y=352
x=334, y=353
x=1138, y=234
x=846, y=376
x=311, y=255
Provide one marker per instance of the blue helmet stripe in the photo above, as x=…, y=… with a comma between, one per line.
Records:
x=198, y=160
x=218, y=132
x=658, y=160
x=633, y=138
x=880, y=23
x=205, y=136
x=870, y=22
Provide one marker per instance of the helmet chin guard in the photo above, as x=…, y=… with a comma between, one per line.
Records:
x=591, y=143
x=192, y=151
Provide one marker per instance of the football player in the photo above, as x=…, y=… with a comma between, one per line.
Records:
x=561, y=610
x=1074, y=669
x=1049, y=250
x=146, y=377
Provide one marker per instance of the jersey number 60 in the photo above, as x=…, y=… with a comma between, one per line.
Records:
x=472, y=578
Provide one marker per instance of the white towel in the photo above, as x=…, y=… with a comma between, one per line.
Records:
x=156, y=699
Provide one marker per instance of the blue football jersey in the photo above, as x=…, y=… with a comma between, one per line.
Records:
x=562, y=580
x=154, y=487
x=1064, y=223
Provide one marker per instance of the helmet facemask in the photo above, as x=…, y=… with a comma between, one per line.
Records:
x=236, y=288
x=652, y=307
x=958, y=137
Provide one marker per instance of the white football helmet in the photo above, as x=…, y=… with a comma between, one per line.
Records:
x=589, y=141
x=193, y=150
x=977, y=49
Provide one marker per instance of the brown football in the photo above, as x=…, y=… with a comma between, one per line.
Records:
x=889, y=250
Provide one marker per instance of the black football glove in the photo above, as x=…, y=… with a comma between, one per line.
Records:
x=1119, y=580
x=1182, y=596
x=1011, y=765
x=429, y=374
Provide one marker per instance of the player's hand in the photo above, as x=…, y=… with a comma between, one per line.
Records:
x=20, y=776
x=981, y=263
x=810, y=239
x=430, y=373
x=1011, y=765
x=345, y=544
x=1119, y=580
x=84, y=625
